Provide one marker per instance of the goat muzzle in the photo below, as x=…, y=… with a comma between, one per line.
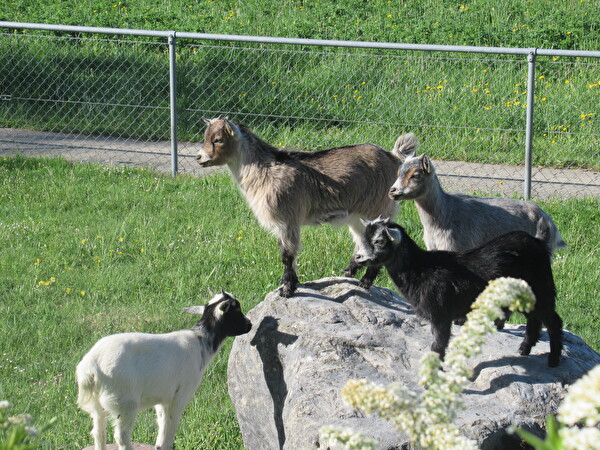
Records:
x=395, y=194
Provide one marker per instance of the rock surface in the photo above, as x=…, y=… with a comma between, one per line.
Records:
x=285, y=376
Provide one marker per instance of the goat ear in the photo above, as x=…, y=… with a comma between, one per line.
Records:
x=224, y=307
x=206, y=121
x=228, y=128
x=365, y=222
x=394, y=234
x=198, y=310
x=425, y=163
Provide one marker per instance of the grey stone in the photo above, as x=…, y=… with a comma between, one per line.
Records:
x=286, y=375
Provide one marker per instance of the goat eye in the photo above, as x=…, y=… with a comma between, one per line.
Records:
x=218, y=141
x=379, y=242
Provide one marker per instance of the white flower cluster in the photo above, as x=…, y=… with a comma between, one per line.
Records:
x=581, y=405
x=428, y=418
x=348, y=438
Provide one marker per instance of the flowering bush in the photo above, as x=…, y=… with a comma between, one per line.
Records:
x=427, y=417
x=17, y=432
x=580, y=406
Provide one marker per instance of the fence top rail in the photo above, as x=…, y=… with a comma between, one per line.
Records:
x=298, y=41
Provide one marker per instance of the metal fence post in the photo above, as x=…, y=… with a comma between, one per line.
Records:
x=173, y=100
x=529, y=121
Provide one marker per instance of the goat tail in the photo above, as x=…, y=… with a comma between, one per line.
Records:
x=405, y=145
x=86, y=380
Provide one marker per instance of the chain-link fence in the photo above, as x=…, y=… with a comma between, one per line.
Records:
x=90, y=97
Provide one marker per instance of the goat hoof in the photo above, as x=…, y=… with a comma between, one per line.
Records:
x=553, y=361
x=365, y=283
x=524, y=350
x=499, y=324
x=287, y=291
x=349, y=272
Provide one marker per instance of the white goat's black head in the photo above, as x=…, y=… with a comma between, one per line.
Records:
x=378, y=243
x=223, y=315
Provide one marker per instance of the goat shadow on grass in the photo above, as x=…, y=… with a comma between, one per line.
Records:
x=374, y=294
x=266, y=340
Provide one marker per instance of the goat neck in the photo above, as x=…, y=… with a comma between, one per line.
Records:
x=405, y=263
x=252, y=155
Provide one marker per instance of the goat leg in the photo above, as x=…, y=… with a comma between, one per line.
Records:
x=502, y=320
x=532, y=334
x=352, y=268
x=554, y=327
x=369, y=277
x=441, y=336
x=289, y=280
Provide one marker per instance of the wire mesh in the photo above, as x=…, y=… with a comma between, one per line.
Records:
x=90, y=98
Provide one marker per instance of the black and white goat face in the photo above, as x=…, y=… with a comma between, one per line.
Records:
x=378, y=243
x=223, y=312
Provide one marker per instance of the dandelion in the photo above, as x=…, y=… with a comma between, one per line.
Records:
x=82, y=293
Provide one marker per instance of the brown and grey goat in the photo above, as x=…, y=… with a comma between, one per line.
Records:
x=288, y=189
x=441, y=286
x=458, y=222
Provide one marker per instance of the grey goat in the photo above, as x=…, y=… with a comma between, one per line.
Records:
x=288, y=189
x=458, y=222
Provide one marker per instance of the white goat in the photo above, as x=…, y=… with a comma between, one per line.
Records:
x=458, y=222
x=288, y=189
x=124, y=373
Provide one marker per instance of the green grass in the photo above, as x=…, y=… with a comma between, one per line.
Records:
x=510, y=23
x=89, y=250
x=461, y=106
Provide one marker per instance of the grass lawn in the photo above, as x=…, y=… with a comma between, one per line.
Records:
x=89, y=251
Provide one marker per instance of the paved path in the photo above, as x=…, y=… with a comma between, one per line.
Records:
x=455, y=176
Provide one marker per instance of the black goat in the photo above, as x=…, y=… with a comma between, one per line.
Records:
x=441, y=286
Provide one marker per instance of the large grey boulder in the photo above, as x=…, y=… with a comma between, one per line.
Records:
x=285, y=376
